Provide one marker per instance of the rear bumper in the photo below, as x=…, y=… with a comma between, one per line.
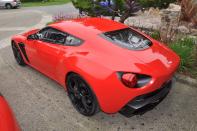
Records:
x=145, y=100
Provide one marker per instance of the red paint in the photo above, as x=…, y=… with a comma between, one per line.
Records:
x=7, y=120
x=98, y=61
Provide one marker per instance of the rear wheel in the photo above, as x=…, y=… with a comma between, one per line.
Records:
x=17, y=55
x=81, y=96
x=8, y=6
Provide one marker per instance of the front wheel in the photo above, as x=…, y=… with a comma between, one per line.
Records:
x=81, y=95
x=8, y=6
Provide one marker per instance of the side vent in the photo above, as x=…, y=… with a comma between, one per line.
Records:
x=22, y=48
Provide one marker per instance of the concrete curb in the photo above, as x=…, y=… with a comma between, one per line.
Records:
x=186, y=80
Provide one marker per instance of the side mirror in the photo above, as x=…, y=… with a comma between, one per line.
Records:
x=33, y=37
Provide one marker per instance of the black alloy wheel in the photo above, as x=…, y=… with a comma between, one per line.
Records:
x=81, y=95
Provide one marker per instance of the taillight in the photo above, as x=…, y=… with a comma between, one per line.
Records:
x=14, y=0
x=129, y=79
x=133, y=80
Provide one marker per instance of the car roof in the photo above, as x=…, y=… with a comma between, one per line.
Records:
x=87, y=27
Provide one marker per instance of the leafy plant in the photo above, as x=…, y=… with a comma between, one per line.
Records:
x=61, y=17
x=156, y=3
x=113, y=8
x=186, y=49
x=31, y=0
x=156, y=35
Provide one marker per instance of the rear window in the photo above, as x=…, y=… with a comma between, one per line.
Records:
x=128, y=38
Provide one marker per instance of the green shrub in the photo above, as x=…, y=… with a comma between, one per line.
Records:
x=156, y=35
x=156, y=3
x=39, y=0
x=186, y=49
x=31, y=0
x=114, y=8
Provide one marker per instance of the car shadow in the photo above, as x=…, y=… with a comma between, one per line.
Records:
x=145, y=117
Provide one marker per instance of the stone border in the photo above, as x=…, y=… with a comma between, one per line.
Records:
x=186, y=80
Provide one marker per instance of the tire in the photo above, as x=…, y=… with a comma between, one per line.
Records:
x=8, y=6
x=81, y=95
x=17, y=55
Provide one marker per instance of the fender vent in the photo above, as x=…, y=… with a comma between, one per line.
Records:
x=22, y=48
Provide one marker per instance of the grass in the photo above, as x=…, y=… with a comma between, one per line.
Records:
x=187, y=50
x=156, y=35
x=47, y=3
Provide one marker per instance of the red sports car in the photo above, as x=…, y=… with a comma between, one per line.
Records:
x=103, y=64
x=7, y=120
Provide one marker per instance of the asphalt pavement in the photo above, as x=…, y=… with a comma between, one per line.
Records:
x=57, y=9
x=17, y=20
x=40, y=104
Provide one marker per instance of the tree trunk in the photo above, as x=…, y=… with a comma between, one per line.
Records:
x=125, y=16
x=113, y=16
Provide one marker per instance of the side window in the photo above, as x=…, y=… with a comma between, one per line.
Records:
x=42, y=33
x=56, y=37
x=72, y=41
x=52, y=36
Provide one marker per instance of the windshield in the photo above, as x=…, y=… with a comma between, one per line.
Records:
x=128, y=38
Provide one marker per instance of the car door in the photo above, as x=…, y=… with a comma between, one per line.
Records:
x=31, y=48
x=48, y=51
